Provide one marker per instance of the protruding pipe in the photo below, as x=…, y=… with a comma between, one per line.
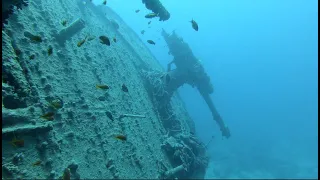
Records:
x=216, y=116
x=71, y=30
x=173, y=171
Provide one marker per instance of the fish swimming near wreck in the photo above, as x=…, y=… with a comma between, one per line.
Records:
x=151, y=15
x=64, y=23
x=49, y=50
x=100, y=86
x=109, y=114
x=81, y=42
x=56, y=104
x=124, y=88
x=48, y=116
x=194, y=25
x=32, y=56
x=121, y=137
x=17, y=142
x=37, y=163
x=151, y=42
x=33, y=38
x=104, y=40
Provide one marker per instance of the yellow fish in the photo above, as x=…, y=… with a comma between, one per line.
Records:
x=48, y=116
x=100, y=86
x=121, y=137
x=151, y=15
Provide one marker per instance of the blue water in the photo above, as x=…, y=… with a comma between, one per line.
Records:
x=262, y=57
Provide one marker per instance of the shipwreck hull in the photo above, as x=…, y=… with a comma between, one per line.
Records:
x=80, y=138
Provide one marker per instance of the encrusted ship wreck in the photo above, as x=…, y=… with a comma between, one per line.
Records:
x=189, y=70
x=56, y=123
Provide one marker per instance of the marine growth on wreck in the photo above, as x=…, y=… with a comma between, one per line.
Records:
x=83, y=98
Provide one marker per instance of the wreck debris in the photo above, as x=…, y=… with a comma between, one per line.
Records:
x=112, y=168
x=28, y=129
x=70, y=119
x=16, y=116
x=10, y=7
x=216, y=116
x=9, y=169
x=17, y=158
x=131, y=115
x=174, y=171
x=161, y=169
x=73, y=170
x=69, y=31
x=12, y=71
x=189, y=70
x=186, y=157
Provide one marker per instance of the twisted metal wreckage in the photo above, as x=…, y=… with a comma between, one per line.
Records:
x=192, y=160
x=188, y=70
x=188, y=153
